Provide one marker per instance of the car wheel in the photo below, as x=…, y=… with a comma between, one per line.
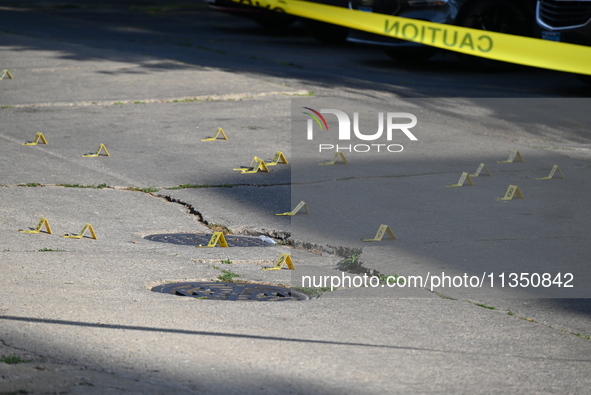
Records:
x=325, y=32
x=275, y=20
x=585, y=78
x=501, y=16
x=410, y=55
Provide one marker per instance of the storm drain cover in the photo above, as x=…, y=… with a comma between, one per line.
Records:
x=231, y=291
x=195, y=239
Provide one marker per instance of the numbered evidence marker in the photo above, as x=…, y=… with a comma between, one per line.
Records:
x=297, y=208
x=86, y=227
x=283, y=259
x=217, y=237
x=480, y=169
x=465, y=176
x=42, y=222
x=334, y=159
x=512, y=192
x=554, y=169
x=5, y=73
x=217, y=135
x=98, y=152
x=382, y=230
x=515, y=155
x=256, y=165
x=279, y=157
x=38, y=137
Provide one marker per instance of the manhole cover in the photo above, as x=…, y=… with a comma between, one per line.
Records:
x=195, y=239
x=231, y=291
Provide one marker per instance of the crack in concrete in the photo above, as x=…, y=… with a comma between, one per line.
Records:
x=184, y=99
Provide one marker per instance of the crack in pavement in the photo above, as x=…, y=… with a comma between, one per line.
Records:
x=184, y=99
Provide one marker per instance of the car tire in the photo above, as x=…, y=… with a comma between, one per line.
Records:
x=501, y=16
x=410, y=55
x=275, y=20
x=585, y=78
x=326, y=32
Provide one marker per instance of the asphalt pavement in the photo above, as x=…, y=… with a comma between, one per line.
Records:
x=80, y=314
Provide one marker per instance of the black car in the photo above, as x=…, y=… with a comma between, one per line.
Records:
x=566, y=21
x=504, y=16
x=271, y=18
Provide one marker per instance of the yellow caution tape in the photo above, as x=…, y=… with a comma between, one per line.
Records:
x=497, y=46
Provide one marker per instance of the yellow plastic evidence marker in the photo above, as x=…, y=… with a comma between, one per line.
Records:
x=554, y=169
x=256, y=165
x=512, y=157
x=98, y=152
x=283, y=259
x=5, y=73
x=479, y=170
x=334, y=159
x=42, y=222
x=38, y=137
x=512, y=192
x=86, y=227
x=217, y=237
x=382, y=230
x=465, y=176
x=217, y=135
x=297, y=208
x=279, y=157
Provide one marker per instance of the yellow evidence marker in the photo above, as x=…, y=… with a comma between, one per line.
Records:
x=256, y=165
x=5, y=73
x=297, y=208
x=38, y=137
x=334, y=159
x=217, y=135
x=98, y=152
x=512, y=192
x=283, y=259
x=554, y=169
x=217, y=237
x=86, y=227
x=382, y=230
x=42, y=222
x=279, y=157
x=465, y=176
x=514, y=155
x=479, y=170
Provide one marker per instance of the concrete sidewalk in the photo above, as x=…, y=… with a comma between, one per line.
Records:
x=81, y=311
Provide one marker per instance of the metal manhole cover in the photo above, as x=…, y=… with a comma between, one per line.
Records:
x=231, y=291
x=195, y=239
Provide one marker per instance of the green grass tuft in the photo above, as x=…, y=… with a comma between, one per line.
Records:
x=11, y=359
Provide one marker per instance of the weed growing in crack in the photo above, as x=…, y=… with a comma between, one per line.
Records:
x=482, y=305
x=227, y=276
x=11, y=359
x=101, y=186
x=219, y=228
x=31, y=185
x=391, y=279
x=442, y=296
x=582, y=336
x=149, y=189
x=351, y=262
x=196, y=186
